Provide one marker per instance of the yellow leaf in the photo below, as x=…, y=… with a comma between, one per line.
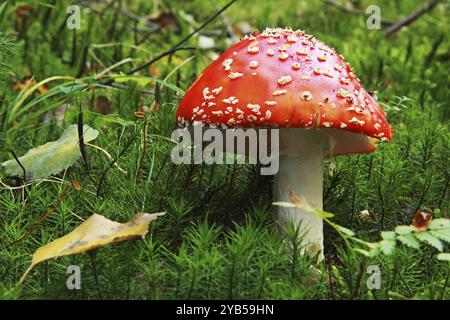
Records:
x=95, y=232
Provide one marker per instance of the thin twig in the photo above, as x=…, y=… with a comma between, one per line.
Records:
x=36, y=182
x=80, y=126
x=355, y=11
x=182, y=41
x=20, y=164
x=158, y=57
x=103, y=176
x=411, y=18
x=107, y=154
x=110, y=68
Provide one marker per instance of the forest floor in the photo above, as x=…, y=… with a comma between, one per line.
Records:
x=218, y=239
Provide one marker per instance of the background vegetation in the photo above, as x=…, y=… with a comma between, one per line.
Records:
x=218, y=238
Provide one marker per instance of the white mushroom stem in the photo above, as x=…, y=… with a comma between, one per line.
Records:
x=301, y=171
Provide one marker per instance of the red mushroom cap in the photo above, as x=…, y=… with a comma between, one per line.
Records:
x=283, y=78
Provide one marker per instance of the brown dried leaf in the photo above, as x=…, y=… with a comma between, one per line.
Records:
x=295, y=200
x=164, y=19
x=420, y=221
x=95, y=232
x=76, y=185
x=156, y=106
x=29, y=82
x=102, y=105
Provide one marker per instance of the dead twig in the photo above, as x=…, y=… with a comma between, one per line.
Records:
x=411, y=18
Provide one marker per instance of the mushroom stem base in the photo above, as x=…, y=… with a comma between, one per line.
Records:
x=303, y=175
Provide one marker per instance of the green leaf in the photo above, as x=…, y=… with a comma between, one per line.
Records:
x=364, y=252
x=439, y=223
x=443, y=234
x=71, y=87
x=113, y=118
x=403, y=230
x=171, y=86
x=375, y=250
x=409, y=240
x=443, y=256
x=141, y=81
x=52, y=157
x=145, y=81
x=18, y=108
x=430, y=239
x=324, y=214
x=345, y=231
x=388, y=235
x=387, y=246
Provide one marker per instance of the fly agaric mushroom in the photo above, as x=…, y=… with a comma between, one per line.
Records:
x=287, y=79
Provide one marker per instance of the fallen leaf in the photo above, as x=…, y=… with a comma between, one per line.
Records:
x=164, y=19
x=102, y=105
x=154, y=71
x=95, y=232
x=76, y=185
x=29, y=83
x=23, y=10
x=21, y=13
x=156, y=106
x=421, y=221
x=52, y=157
